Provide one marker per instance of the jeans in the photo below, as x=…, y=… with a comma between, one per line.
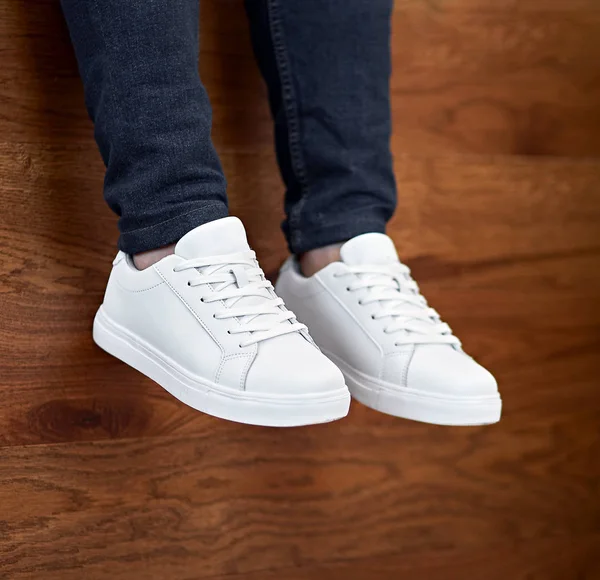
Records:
x=327, y=67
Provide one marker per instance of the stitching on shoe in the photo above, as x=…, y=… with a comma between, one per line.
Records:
x=345, y=308
x=226, y=358
x=244, y=376
x=391, y=356
x=405, y=373
x=137, y=291
x=189, y=307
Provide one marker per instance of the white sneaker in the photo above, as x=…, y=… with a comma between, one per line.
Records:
x=398, y=357
x=207, y=326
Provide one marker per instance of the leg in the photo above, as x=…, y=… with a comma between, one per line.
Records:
x=139, y=64
x=201, y=320
x=327, y=66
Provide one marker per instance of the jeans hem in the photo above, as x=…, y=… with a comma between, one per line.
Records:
x=300, y=242
x=171, y=230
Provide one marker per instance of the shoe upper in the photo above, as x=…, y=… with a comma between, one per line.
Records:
x=209, y=311
x=368, y=313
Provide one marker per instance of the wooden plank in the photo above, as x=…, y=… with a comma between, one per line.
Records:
x=461, y=208
x=554, y=559
x=469, y=77
x=57, y=386
x=251, y=499
x=515, y=7
x=103, y=474
x=483, y=237
x=492, y=83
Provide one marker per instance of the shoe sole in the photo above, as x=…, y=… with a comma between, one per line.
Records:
x=459, y=411
x=214, y=399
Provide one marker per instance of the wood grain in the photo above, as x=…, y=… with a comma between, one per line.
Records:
x=516, y=206
x=537, y=560
x=482, y=82
x=496, y=140
x=469, y=77
x=254, y=499
x=485, y=252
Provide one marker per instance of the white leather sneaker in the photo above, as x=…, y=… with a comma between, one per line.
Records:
x=206, y=325
x=398, y=357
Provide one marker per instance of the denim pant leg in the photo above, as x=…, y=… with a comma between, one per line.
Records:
x=139, y=63
x=327, y=67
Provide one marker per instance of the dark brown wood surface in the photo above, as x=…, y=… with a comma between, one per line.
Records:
x=497, y=145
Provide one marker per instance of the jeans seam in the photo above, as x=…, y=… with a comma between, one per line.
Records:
x=177, y=217
x=344, y=223
x=336, y=232
x=290, y=107
x=112, y=83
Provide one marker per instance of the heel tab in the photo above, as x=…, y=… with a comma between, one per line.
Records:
x=119, y=258
x=289, y=264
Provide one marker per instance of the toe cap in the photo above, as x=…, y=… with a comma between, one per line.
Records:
x=290, y=365
x=445, y=371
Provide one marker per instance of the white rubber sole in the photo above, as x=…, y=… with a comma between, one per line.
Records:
x=408, y=404
x=211, y=398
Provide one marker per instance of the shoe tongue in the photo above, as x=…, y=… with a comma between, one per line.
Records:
x=369, y=249
x=375, y=249
x=224, y=236
x=216, y=238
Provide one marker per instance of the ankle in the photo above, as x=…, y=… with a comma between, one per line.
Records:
x=314, y=260
x=144, y=260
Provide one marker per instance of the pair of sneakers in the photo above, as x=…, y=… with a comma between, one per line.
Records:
x=206, y=325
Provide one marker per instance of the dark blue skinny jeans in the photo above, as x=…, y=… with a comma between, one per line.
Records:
x=327, y=67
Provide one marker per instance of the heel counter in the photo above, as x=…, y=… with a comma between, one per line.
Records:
x=110, y=293
x=281, y=276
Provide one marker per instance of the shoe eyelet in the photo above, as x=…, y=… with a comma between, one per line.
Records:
x=373, y=317
x=229, y=332
x=215, y=316
x=189, y=283
x=347, y=288
x=360, y=303
x=241, y=346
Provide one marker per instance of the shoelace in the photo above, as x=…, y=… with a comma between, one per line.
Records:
x=398, y=295
x=235, y=278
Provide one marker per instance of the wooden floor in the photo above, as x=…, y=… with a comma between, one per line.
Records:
x=497, y=146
